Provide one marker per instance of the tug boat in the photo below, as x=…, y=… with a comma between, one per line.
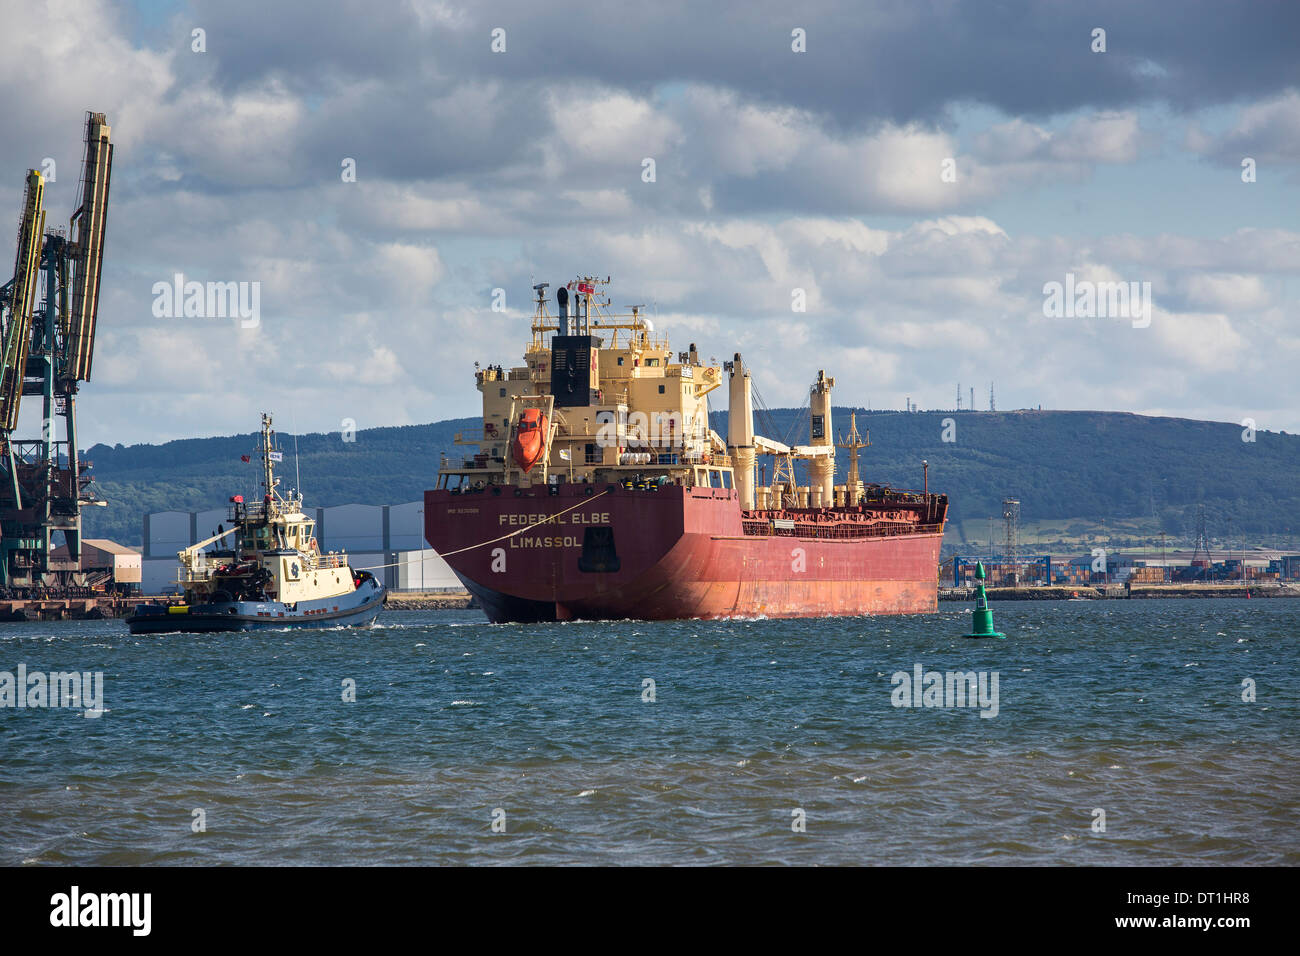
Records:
x=273, y=574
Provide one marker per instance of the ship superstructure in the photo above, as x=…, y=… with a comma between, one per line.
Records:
x=599, y=490
x=267, y=570
x=618, y=402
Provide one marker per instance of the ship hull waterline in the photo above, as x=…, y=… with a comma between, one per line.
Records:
x=666, y=554
x=356, y=609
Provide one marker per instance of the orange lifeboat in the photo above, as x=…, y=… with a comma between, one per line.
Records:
x=530, y=439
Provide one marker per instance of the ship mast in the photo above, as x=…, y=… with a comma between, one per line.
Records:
x=268, y=469
x=852, y=442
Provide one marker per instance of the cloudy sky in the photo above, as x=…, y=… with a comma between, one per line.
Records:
x=920, y=170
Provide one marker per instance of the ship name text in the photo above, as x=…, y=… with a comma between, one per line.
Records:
x=556, y=541
x=599, y=517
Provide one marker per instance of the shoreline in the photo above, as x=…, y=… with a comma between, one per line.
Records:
x=429, y=601
x=1123, y=592
x=90, y=608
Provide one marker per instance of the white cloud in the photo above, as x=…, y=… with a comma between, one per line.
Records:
x=375, y=293
x=1208, y=342
x=1105, y=137
x=1101, y=138
x=1268, y=132
x=1228, y=293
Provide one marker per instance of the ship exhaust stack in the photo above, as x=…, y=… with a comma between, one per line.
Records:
x=740, y=431
x=562, y=300
x=822, y=468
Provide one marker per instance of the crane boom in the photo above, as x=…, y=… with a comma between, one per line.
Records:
x=22, y=297
x=47, y=335
x=89, y=221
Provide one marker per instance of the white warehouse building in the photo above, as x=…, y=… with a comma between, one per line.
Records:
x=387, y=540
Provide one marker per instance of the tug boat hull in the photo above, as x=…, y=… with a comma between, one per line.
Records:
x=360, y=607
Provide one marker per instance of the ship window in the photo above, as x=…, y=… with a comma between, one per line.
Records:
x=593, y=457
x=503, y=393
x=652, y=361
x=661, y=389
x=620, y=360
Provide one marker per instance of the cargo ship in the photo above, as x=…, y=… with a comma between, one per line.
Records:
x=598, y=490
x=271, y=573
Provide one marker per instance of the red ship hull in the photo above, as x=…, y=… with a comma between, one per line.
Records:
x=600, y=552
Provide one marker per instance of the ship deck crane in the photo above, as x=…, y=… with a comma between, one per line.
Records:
x=48, y=312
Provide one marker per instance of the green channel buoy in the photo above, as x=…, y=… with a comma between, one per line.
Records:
x=982, y=617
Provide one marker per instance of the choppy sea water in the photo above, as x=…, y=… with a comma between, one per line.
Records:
x=757, y=726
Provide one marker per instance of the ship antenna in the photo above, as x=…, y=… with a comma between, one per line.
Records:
x=297, y=476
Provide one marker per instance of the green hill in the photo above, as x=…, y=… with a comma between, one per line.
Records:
x=382, y=466
x=1072, y=471
x=1077, y=472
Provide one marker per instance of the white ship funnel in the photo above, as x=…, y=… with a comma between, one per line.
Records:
x=822, y=468
x=740, y=430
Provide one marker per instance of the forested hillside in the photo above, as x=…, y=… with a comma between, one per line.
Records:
x=1086, y=468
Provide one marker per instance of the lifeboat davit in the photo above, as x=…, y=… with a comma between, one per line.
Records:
x=530, y=439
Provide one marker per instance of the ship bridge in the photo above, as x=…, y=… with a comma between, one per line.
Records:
x=618, y=403
x=618, y=406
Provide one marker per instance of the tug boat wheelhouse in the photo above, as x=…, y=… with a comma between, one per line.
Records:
x=272, y=575
x=599, y=491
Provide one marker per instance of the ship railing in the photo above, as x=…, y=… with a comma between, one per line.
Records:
x=327, y=561
x=253, y=511
x=837, y=530
x=631, y=337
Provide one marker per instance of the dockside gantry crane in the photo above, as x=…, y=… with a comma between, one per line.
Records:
x=47, y=340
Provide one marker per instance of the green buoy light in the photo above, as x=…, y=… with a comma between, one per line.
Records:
x=982, y=617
